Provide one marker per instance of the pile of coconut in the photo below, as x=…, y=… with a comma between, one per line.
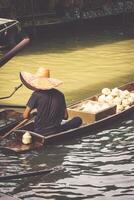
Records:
x=93, y=106
x=123, y=99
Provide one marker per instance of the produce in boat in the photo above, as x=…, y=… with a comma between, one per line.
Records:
x=26, y=138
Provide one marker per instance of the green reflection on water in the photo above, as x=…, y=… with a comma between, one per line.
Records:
x=86, y=63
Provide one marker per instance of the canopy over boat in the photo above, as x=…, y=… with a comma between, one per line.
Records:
x=12, y=37
x=6, y=24
x=6, y=21
x=9, y=31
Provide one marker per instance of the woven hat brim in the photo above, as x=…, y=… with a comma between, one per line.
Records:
x=33, y=82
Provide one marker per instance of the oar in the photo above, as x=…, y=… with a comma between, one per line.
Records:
x=15, y=128
x=23, y=175
x=13, y=51
x=32, y=115
x=15, y=89
x=29, y=174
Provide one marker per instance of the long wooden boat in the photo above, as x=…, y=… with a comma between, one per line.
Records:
x=92, y=123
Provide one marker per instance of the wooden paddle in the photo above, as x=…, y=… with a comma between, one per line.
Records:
x=32, y=115
x=15, y=128
x=29, y=174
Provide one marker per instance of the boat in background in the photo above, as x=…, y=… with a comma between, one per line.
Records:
x=9, y=31
x=92, y=123
x=11, y=39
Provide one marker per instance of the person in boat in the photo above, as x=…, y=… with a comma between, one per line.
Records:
x=49, y=102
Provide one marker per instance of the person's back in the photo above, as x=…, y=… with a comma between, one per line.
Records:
x=49, y=102
x=50, y=105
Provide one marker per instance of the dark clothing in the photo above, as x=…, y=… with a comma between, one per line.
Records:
x=50, y=105
x=70, y=124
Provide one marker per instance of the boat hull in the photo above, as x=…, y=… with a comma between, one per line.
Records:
x=92, y=128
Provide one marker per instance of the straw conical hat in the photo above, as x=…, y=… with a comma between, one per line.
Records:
x=40, y=80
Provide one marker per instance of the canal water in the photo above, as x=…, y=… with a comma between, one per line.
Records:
x=97, y=166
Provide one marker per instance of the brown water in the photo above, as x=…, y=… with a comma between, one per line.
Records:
x=85, y=61
x=98, y=166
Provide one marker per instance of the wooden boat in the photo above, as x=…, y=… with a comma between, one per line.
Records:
x=9, y=32
x=92, y=123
